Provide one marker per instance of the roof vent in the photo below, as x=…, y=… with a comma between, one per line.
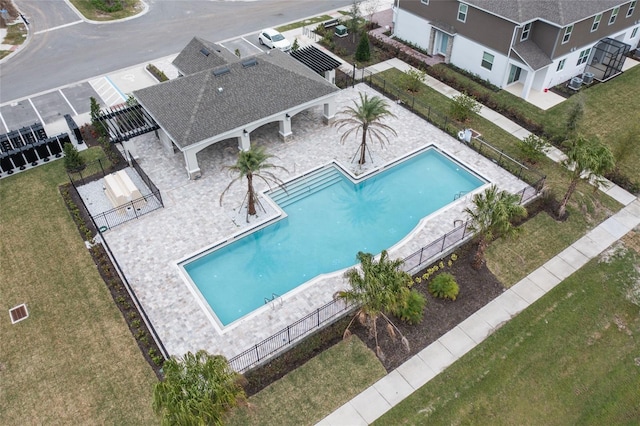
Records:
x=205, y=52
x=18, y=313
x=221, y=71
x=249, y=63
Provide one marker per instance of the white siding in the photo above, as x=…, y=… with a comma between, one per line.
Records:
x=412, y=28
x=467, y=55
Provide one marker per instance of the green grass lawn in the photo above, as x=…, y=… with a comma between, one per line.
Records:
x=90, y=11
x=311, y=22
x=73, y=361
x=609, y=112
x=573, y=357
x=310, y=393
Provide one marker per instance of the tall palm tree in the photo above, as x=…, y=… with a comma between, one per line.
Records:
x=366, y=117
x=197, y=389
x=380, y=287
x=491, y=217
x=588, y=160
x=251, y=164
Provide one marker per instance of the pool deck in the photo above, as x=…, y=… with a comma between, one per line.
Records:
x=148, y=249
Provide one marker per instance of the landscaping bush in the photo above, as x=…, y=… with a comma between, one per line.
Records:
x=411, y=308
x=73, y=162
x=444, y=286
x=363, y=53
x=462, y=106
x=158, y=74
x=533, y=148
x=412, y=80
x=108, y=6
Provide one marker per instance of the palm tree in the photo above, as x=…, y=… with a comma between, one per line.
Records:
x=491, y=217
x=197, y=389
x=251, y=164
x=366, y=116
x=380, y=287
x=588, y=160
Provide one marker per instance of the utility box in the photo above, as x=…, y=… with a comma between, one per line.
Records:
x=341, y=31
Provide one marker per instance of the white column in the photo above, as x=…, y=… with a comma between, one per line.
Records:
x=330, y=76
x=130, y=148
x=527, y=84
x=285, y=128
x=191, y=163
x=329, y=111
x=244, y=141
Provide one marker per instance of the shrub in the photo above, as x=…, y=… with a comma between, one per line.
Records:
x=462, y=106
x=108, y=6
x=412, y=79
x=444, y=286
x=159, y=74
x=411, y=307
x=533, y=148
x=73, y=162
x=363, y=52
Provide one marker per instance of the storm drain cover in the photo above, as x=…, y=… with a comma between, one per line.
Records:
x=18, y=313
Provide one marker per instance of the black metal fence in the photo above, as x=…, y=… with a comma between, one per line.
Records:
x=93, y=170
x=324, y=315
x=128, y=211
x=152, y=186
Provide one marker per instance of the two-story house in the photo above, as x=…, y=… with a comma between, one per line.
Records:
x=537, y=43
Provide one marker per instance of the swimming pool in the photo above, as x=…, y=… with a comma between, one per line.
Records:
x=329, y=218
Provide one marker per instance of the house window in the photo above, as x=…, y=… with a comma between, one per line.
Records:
x=632, y=7
x=525, y=31
x=596, y=22
x=462, y=12
x=567, y=34
x=634, y=32
x=560, y=65
x=614, y=15
x=584, y=55
x=487, y=60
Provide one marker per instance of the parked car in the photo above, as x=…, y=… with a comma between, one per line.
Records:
x=273, y=39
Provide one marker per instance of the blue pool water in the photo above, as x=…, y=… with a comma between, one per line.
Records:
x=324, y=230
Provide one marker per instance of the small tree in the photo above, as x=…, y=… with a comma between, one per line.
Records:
x=462, y=106
x=363, y=52
x=73, y=162
x=197, y=390
x=381, y=286
x=366, y=117
x=296, y=45
x=253, y=164
x=533, y=148
x=412, y=79
x=574, y=116
x=491, y=217
x=588, y=160
x=95, y=117
x=353, y=23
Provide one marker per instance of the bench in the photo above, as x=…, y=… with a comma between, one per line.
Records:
x=121, y=190
x=331, y=23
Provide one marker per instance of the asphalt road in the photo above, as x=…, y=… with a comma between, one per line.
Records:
x=63, y=49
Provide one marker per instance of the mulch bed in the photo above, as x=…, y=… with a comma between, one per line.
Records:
x=477, y=288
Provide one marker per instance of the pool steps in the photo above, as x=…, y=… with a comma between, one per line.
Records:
x=306, y=185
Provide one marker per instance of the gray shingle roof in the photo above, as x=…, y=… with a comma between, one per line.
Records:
x=193, y=58
x=192, y=108
x=560, y=12
x=532, y=55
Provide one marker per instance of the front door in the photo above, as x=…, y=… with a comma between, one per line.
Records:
x=514, y=74
x=441, y=43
